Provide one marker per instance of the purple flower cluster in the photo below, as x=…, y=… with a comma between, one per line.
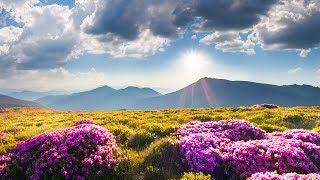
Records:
x=77, y=152
x=298, y=134
x=239, y=149
x=269, y=106
x=84, y=121
x=4, y=161
x=281, y=155
x=200, y=142
x=287, y=176
x=2, y=110
x=235, y=130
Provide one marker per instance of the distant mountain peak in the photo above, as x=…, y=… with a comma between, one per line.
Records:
x=132, y=88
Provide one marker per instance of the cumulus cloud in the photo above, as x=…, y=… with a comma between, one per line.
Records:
x=294, y=70
x=45, y=40
x=229, y=41
x=291, y=25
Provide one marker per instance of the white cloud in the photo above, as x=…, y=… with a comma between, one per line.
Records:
x=145, y=45
x=304, y=53
x=229, y=41
x=294, y=70
x=291, y=25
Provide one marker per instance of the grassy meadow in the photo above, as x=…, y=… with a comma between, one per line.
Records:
x=143, y=135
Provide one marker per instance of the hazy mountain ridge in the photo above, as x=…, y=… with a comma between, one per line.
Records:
x=7, y=101
x=33, y=95
x=103, y=97
x=206, y=92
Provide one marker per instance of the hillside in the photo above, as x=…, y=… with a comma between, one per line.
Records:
x=143, y=136
x=100, y=98
x=7, y=101
x=210, y=92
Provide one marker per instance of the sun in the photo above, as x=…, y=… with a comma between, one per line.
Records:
x=193, y=60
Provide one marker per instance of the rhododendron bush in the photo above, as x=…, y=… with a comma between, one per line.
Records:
x=293, y=176
x=84, y=121
x=78, y=152
x=236, y=149
x=2, y=109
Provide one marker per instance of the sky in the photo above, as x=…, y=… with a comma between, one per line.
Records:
x=167, y=44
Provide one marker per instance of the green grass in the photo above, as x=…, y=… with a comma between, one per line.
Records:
x=143, y=135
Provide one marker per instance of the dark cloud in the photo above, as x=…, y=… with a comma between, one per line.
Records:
x=303, y=34
x=46, y=54
x=7, y=66
x=124, y=18
x=119, y=17
x=230, y=14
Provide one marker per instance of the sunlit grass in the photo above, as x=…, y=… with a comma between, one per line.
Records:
x=140, y=132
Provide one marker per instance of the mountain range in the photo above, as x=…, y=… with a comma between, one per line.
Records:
x=100, y=98
x=206, y=92
x=33, y=95
x=7, y=101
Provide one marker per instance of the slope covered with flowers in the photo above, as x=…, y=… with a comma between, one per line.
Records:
x=79, y=152
x=145, y=137
x=236, y=149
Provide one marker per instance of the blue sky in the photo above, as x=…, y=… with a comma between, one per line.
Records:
x=77, y=45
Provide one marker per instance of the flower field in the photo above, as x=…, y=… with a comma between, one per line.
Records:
x=162, y=144
x=234, y=149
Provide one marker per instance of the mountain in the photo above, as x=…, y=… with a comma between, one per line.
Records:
x=210, y=92
x=33, y=95
x=100, y=98
x=206, y=92
x=7, y=101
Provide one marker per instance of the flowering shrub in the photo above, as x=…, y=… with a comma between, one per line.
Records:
x=236, y=149
x=4, y=161
x=293, y=176
x=281, y=155
x=298, y=134
x=78, y=152
x=2, y=110
x=234, y=130
x=269, y=106
x=84, y=121
x=200, y=142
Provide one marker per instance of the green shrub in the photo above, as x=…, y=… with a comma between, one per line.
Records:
x=158, y=129
x=122, y=133
x=141, y=140
x=163, y=161
x=292, y=118
x=272, y=128
x=202, y=118
x=195, y=176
